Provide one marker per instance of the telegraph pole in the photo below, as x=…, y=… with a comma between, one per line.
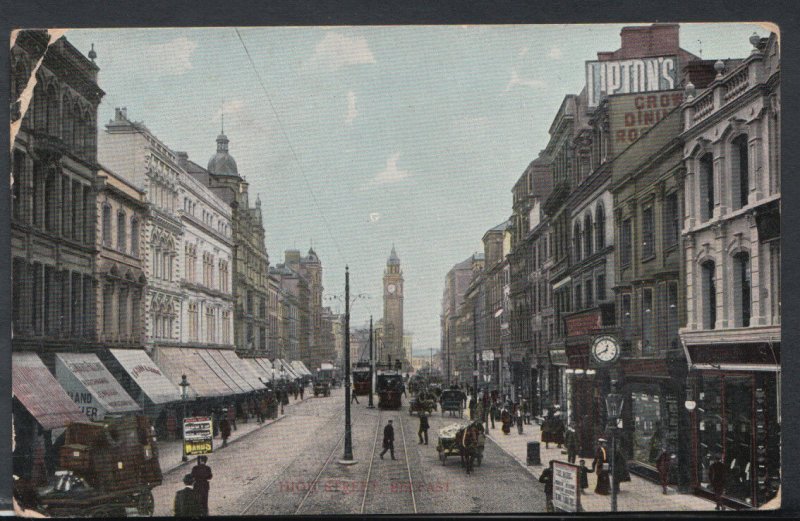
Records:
x=348, y=438
x=371, y=365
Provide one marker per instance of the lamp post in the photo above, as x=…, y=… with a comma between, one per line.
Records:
x=371, y=366
x=184, y=385
x=348, y=438
x=283, y=384
x=614, y=407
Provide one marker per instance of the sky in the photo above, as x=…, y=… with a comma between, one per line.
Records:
x=360, y=138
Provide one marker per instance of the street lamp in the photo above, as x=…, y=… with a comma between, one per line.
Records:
x=283, y=384
x=184, y=385
x=371, y=366
x=614, y=403
x=348, y=439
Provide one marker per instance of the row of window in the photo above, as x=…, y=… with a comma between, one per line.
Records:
x=121, y=312
x=210, y=324
x=208, y=218
x=671, y=229
x=49, y=199
x=124, y=243
x=739, y=179
x=590, y=292
x=591, y=237
x=657, y=316
x=51, y=302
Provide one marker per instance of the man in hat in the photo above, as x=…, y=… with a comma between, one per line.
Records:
x=187, y=504
x=201, y=473
x=388, y=439
x=598, y=465
x=572, y=442
x=423, y=426
x=663, y=464
x=547, y=478
x=717, y=476
x=225, y=428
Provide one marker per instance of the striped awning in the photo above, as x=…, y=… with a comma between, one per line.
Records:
x=40, y=393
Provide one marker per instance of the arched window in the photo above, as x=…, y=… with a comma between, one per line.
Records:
x=600, y=228
x=52, y=110
x=576, y=241
x=66, y=120
x=135, y=237
x=709, y=289
x=89, y=135
x=106, y=225
x=587, y=234
x=706, y=187
x=121, y=231
x=742, y=289
x=740, y=187
x=77, y=129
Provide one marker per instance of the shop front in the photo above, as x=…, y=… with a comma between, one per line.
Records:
x=736, y=418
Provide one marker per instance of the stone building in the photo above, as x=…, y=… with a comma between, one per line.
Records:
x=53, y=197
x=455, y=285
x=250, y=266
x=121, y=291
x=131, y=151
x=496, y=281
x=207, y=258
x=275, y=316
x=732, y=253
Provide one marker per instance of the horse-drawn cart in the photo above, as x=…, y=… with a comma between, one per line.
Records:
x=454, y=438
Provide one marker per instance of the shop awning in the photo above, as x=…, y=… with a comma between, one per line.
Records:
x=263, y=374
x=267, y=365
x=40, y=393
x=222, y=370
x=89, y=372
x=147, y=375
x=288, y=372
x=244, y=369
x=203, y=383
x=299, y=368
x=305, y=368
x=742, y=356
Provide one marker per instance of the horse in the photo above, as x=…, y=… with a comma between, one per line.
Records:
x=467, y=441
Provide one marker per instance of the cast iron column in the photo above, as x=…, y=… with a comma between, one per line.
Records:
x=348, y=438
x=371, y=365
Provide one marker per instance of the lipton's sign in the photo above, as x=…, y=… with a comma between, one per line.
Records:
x=604, y=78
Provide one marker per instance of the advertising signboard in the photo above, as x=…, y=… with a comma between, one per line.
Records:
x=631, y=115
x=605, y=78
x=198, y=436
x=488, y=355
x=566, y=487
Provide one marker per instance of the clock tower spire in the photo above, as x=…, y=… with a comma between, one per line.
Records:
x=393, y=311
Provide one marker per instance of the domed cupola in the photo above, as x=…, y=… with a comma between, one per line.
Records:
x=222, y=163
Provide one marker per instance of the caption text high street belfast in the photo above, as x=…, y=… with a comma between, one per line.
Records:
x=524, y=268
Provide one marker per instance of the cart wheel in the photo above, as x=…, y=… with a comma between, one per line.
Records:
x=145, y=504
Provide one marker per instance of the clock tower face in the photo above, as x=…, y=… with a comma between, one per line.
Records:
x=605, y=349
x=391, y=288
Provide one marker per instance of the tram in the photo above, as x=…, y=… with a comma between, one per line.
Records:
x=361, y=378
x=390, y=387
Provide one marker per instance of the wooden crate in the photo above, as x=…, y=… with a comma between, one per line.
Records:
x=75, y=457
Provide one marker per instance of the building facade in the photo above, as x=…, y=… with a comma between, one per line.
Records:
x=53, y=206
x=121, y=288
x=731, y=245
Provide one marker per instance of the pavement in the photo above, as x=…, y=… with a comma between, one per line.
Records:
x=170, y=453
x=638, y=495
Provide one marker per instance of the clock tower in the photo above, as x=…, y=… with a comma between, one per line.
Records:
x=393, y=312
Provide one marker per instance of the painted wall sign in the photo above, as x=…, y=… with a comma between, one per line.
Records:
x=631, y=115
x=566, y=487
x=604, y=78
x=197, y=436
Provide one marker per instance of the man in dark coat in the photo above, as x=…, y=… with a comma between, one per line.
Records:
x=201, y=473
x=547, y=478
x=663, y=464
x=187, y=504
x=601, y=456
x=717, y=476
x=388, y=439
x=620, y=469
x=225, y=430
x=423, y=427
x=572, y=442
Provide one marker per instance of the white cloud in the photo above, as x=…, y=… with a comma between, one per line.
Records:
x=523, y=82
x=352, y=112
x=337, y=50
x=554, y=53
x=391, y=175
x=173, y=57
x=229, y=108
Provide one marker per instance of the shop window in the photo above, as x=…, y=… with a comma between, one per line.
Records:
x=742, y=289
x=648, y=233
x=626, y=248
x=648, y=425
x=646, y=313
x=709, y=289
x=706, y=187
x=740, y=188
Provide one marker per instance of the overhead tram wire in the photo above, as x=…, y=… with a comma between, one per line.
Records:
x=289, y=143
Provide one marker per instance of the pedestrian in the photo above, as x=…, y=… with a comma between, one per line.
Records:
x=662, y=464
x=472, y=409
x=353, y=396
x=215, y=418
x=245, y=409
x=558, y=428
x=187, y=503
x=493, y=412
x=232, y=415
x=547, y=478
x=388, y=439
x=505, y=418
x=526, y=416
x=423, y=427
x=302, y=390
x=717, y=474
x=572, y=443
x=598, y=466
x=519, y=420
x=201, y=473
x=584, y=474
x=225, y=429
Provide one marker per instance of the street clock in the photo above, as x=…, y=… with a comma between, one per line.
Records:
x=392, y=288
x=605, y=349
